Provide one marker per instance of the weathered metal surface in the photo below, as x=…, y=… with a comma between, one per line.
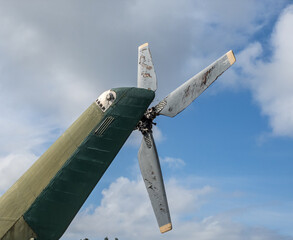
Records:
x=152, y=176
x=55, y=207
x=43, y=202
x=146, y=76
x=16, y=201
x=52, y=191
x=106, y=100
x=19, y=231
x=181, y=97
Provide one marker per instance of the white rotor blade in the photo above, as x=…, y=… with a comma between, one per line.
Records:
x=152, y=176
x=181, y=97
x=146, y=76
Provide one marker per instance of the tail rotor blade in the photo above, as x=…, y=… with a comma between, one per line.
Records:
x=152, y=176
x=146, y=76
x=181, y=97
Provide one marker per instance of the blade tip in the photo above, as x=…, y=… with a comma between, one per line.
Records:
x=166, y=228
x=231, y=57
x=143, y=45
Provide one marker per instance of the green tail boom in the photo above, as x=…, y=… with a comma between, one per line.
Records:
x=43, y=202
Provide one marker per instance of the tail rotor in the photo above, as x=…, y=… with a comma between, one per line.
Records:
x=170, y=106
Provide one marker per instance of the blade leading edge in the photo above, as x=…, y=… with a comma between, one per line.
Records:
x=152, y=176
x=181, y=97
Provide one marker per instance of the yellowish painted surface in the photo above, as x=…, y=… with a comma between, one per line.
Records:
x=16, y=201
x=19, y=231
x=231, y=57
x=143, y=45
x=166, y=228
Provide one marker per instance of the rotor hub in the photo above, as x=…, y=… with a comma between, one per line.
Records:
x=146, y=123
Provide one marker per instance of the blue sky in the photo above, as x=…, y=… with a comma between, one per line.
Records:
x=226, y=160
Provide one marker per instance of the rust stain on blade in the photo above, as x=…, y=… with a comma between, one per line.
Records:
x=206, y=76
x=142, y=61
x=146, y=75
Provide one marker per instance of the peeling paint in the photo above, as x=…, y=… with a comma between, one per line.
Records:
x=206, y=76
x=142, y=61
x=146, y=75
x=152, y=175
x=181, y=97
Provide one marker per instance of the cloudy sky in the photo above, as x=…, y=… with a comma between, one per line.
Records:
x=226, y=160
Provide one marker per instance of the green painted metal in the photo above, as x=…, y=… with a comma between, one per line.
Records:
x=18, y=199
x=53, y=210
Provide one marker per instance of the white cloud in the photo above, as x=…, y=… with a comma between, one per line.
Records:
x=271, y=82
x=173, y=162
x=12, y=167
x=125, y=212
x=97, y=50
x=52, y=65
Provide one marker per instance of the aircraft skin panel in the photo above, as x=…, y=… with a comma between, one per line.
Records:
x=23, y=193
x=20, y=231
x=91, y=144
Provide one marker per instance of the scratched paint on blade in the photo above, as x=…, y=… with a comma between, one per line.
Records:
x=146, y=75
x=206, y=76
x=142, y=62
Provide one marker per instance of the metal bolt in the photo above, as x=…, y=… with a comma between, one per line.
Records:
x=110, y=96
